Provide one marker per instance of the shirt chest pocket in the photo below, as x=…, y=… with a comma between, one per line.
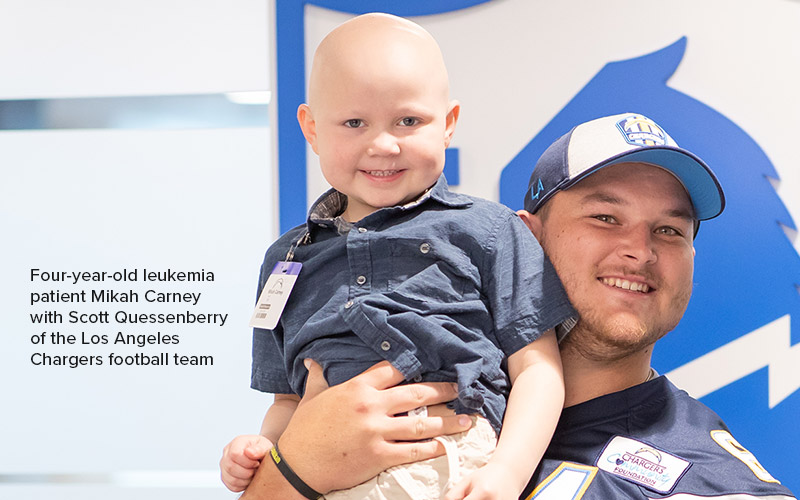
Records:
x=426, y=270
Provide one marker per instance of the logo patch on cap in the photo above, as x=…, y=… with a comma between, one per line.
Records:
x=539, y=188
x=642, y=464
x=641, y=131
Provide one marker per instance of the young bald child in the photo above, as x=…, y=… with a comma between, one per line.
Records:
x=444, y=286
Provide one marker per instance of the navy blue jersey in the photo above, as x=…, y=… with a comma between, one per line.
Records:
x=649, y=441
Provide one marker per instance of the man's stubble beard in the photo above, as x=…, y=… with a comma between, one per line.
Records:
x=608, y=340
x=598, y=337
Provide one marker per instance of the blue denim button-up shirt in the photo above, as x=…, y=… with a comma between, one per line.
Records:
x=444, y=288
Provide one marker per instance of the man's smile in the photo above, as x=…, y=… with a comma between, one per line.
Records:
x=634, y=286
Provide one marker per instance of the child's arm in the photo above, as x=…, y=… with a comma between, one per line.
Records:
x=240, y=460
x=278, y=416
x=242, y=456
x=534, y=405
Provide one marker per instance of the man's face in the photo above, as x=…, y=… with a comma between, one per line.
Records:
x=621, y=242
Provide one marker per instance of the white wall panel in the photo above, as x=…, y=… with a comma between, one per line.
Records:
x=82, y=48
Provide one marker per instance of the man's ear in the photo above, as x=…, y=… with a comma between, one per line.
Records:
x=308, y=125
x=450, y=121
x=533, y=221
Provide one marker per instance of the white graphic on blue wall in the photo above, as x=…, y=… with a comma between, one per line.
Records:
x=741, y=329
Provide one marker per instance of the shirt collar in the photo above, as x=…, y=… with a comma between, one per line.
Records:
x=443, y=195
x=327, y=209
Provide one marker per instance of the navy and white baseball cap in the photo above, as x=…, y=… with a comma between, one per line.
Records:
x=624, y=138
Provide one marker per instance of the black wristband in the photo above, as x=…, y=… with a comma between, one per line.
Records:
x=298, y=484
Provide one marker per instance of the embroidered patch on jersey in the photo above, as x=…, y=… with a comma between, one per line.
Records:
x=642, y=464
x=641, y=131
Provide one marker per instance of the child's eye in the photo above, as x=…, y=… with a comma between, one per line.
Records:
x=353, y=123
x=409, y=121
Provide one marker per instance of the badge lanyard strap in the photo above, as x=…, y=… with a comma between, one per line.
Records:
x=304, y=240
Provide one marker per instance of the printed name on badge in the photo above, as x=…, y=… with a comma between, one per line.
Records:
x=275, y=294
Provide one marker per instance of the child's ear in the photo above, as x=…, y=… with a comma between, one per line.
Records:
x=450, y=122
x=307, y=125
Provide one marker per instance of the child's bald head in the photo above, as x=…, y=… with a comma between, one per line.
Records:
x=377, y=48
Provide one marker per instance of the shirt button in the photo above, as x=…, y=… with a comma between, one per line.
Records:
x=425, y=248
x=361, y=280
x=362, y=230
x=418, y=378
x=385, y=345
x=348, y=304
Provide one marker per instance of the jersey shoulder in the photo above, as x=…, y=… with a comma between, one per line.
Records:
x=650, y=441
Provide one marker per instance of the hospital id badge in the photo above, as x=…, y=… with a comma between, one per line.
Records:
x=275, y=294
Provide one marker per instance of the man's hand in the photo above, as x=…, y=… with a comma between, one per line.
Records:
x=240, y=459
x=342, y=436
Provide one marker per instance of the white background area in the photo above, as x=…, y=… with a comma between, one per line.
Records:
x=93, y=48
x=95, y=200
x=104, y=200
x=112, y=200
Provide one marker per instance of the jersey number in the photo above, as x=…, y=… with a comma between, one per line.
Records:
x=724, y=439
x=567, y=482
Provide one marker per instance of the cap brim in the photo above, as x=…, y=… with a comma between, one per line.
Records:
x=699, y=181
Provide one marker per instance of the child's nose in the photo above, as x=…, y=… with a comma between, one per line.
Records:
x=384, y=143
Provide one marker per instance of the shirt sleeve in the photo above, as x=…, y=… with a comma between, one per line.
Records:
x=524, y=293
x=268, y=370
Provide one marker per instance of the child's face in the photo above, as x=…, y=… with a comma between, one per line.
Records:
x=380, y=126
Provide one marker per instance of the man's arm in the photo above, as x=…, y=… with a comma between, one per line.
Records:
x=347, y=434
x=269, y=484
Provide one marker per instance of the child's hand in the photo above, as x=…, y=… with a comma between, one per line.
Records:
x=490, y=482
x=240, y=459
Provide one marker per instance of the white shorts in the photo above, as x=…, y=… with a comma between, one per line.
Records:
x=429, y=479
